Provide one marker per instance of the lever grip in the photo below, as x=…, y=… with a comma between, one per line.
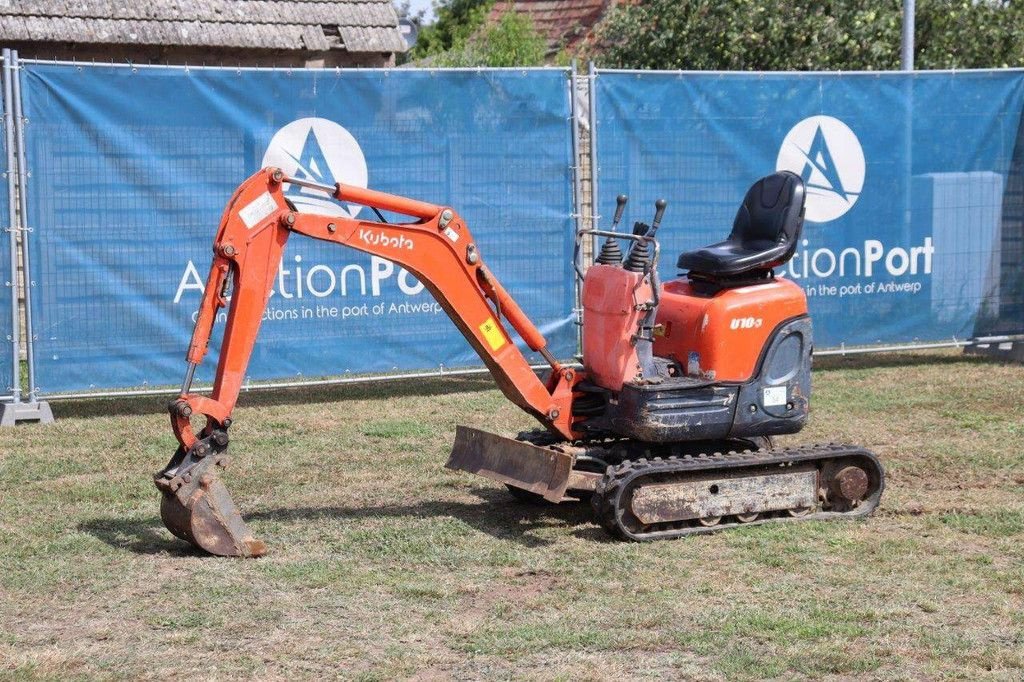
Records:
x=659, y=212
x=620, y=207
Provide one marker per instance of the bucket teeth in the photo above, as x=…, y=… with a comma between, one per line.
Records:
x=197, y=508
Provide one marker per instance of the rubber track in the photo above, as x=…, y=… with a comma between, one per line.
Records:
x=619, y=479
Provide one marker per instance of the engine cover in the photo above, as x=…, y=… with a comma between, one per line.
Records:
x=721, y=335
x=610, y=319
x=775, y=401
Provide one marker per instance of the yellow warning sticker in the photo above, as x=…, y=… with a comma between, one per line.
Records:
x=492, y=332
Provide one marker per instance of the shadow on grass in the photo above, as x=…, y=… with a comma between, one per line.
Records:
x=306, y=395
x=497, y=514
x=139, y=536
x=901, y=359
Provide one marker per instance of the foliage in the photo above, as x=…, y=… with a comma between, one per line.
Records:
x=462, y=37
x=456, y=21
x=968, y=34
x=511, y=41
x=783, y=35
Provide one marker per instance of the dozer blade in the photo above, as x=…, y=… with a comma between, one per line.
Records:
x=543, y=471
x=197, y=508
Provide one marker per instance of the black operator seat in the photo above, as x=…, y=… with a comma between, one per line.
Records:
x=764, y=234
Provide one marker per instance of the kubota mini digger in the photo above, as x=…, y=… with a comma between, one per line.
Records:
x=667, y=426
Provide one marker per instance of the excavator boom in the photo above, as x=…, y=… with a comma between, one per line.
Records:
x=436, y=246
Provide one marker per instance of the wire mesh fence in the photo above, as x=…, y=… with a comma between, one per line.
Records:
x=914, y=235
x=913, y=217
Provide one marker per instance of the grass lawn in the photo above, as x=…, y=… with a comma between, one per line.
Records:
x=383, y=564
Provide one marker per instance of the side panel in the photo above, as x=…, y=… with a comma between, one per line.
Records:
x=777, y=401
x=610, y=320
x=674, y=411
x=721, y=337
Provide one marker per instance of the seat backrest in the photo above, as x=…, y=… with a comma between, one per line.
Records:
x=771, y=214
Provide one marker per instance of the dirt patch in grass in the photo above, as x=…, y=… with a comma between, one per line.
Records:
x=385, y=565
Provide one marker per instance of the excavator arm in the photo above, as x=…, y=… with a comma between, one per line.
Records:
x=436, y=246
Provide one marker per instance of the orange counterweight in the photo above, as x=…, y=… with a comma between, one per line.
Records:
x=721, y=336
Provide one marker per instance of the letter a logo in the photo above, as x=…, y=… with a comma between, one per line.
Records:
x=311, y=164
x=828, y=156
x=820, y=171
x=319, y=151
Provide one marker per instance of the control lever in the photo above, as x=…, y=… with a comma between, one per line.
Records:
x=610, y=253
x=620, y=207
x=659, y=212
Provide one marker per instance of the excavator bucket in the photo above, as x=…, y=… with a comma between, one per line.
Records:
x=197, y=508
x=513, y=462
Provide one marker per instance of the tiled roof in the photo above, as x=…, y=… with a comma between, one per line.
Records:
x=351, y=25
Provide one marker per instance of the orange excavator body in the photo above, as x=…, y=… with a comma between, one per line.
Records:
x=719, y=357
x=610, y=297
x=722, y=335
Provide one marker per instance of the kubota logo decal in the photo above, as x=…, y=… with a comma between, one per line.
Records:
x=320, y=151
x=828, y=156
x=381, y=238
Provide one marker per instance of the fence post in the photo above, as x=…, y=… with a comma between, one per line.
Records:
x=12, y=234
x=577, y=200
x=907, y=53
x=595, y=202
x=33, y=410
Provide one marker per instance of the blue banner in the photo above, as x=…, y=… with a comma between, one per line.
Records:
x=8, y=278
x=913, y=225
x=131, y=169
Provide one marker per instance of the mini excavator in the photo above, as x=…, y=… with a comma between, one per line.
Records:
x=667, y=428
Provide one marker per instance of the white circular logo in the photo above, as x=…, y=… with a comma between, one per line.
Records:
x=320, y=151
x=828, y=156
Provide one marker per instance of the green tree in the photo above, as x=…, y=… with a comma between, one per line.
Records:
x=511, y=41
x=785, y=35
x=969, y=34
x=462, y=37
x=456, y=21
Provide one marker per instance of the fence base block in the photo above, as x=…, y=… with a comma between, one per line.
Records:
x=1009, y=351
x=12, y=413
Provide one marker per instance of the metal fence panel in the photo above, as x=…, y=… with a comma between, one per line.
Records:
x=131, y=168
x=913, y=227
x=8, y=266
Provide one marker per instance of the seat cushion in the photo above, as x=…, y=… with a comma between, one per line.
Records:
x=731, y=258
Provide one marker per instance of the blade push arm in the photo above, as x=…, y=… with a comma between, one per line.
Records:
x=438, y=248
